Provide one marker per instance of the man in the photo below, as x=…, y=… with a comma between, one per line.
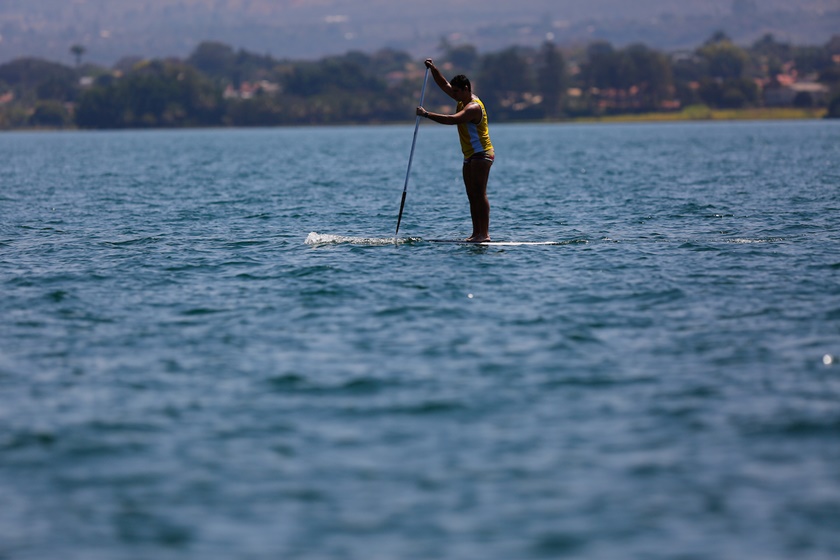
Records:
x=471, y=118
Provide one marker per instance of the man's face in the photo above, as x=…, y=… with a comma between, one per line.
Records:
x=461, y=94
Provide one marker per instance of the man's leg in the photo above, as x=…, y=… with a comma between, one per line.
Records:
x=476, y=173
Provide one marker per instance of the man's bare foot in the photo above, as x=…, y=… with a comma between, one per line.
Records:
x=477, y=239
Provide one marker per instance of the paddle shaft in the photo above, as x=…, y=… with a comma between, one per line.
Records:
x=411, y=155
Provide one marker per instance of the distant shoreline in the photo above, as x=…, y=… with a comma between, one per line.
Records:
x=703, y=113
x=689, y=114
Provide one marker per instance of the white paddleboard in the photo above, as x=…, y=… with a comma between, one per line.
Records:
x=318, y=239
x=498, y=243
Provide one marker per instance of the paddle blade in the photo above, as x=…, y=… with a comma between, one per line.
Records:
x=399, y=218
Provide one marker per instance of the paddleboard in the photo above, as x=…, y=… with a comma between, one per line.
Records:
x=497, y=243
x=317, y=239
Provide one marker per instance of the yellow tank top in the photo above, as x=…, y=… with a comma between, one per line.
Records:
x=474, y=137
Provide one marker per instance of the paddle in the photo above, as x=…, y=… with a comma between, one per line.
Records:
x=411, y=155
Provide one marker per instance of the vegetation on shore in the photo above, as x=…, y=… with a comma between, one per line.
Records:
x=219, y=86
x=704, y=113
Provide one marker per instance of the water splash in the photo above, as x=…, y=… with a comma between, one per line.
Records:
x=744, y=240
x=315, y=239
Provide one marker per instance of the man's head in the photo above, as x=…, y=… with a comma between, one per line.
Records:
x=461, y=82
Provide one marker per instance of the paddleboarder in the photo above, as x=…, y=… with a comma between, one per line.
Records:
x=471, y=118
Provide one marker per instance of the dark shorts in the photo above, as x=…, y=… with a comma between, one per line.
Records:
x=481, y=156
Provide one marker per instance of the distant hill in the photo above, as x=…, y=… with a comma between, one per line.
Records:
x=309, y=29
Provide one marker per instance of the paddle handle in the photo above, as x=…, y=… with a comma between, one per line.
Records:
x=411, y=155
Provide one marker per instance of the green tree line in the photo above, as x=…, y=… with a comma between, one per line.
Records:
x=220, y=86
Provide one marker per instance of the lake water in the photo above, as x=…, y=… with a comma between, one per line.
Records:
x=183, y=376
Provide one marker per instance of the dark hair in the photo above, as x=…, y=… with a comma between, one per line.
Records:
x=461, y=82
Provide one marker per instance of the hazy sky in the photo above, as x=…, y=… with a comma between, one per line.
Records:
x=110, y=29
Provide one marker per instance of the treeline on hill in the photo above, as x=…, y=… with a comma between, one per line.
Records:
x=219, y=86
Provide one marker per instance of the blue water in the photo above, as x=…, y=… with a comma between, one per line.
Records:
x=183, y=376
